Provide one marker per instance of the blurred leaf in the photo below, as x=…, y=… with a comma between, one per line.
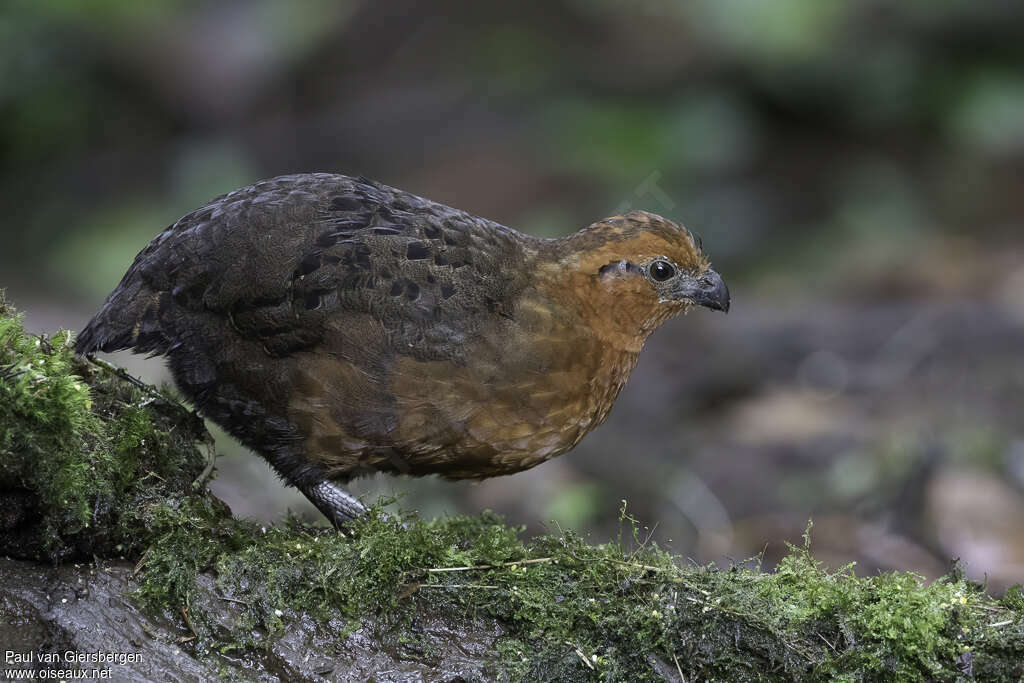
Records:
x=854, y=475
x=575, y=506
x=206, y=168
x=990, y=115
x=711, y=131
x=782, y=30
x=93, y=258
x=615, y=141
x=513, y=59
x=102, y=14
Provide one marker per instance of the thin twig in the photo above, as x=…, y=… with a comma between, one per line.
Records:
x=634, y=565
x=580, y=654
x=491, y=566
x=184, y=613
x=141, y=562
x=989, y=608
x=240, y=602
x=650, y=535
x=123, y=374
x=678, y=668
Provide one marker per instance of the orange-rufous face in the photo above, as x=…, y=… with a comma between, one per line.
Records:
x=633, y=272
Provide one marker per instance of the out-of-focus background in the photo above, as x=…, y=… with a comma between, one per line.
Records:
x=856, y=170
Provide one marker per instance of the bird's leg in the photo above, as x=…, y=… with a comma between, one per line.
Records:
x=338, y=505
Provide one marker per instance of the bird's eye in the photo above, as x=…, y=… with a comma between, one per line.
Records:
x=662, y=270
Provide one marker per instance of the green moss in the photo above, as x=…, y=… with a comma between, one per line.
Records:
x=632, y=615
x=47, y=421
x=112, y=467
x=91, y=449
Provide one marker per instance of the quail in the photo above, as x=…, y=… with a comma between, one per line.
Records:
x=340, y=327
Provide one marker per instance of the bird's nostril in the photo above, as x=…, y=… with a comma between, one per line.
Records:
x=706, y=282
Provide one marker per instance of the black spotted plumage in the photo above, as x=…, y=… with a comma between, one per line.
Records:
x=275, y=259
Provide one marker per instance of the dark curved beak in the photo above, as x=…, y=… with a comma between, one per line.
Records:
x=707, y=289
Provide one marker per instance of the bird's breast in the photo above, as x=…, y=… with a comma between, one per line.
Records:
x=511, y=407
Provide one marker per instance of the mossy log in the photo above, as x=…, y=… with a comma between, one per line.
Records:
x=115, y=550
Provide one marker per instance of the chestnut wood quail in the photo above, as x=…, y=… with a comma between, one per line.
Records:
x=341, y=327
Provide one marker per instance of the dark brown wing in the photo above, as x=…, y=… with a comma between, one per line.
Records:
x=279, y=258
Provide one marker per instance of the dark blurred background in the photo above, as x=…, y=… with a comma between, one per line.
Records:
x=856, y=171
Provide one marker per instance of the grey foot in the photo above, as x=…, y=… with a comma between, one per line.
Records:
x=339, y=506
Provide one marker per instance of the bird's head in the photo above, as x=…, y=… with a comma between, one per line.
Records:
x=635, y=271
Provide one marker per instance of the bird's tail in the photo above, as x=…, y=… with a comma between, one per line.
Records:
x=130, y=318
